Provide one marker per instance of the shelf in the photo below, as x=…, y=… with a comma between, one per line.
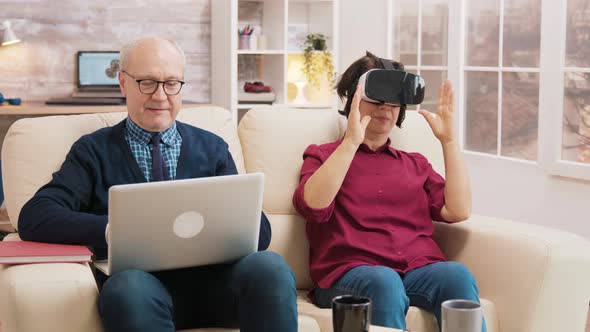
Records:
x=308, y=105
x=281, y=25
x=301, y=52
x=310, y=1
x=261, y=52
x=249, y=106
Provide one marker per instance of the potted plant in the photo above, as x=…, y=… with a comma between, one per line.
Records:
x=317, y=59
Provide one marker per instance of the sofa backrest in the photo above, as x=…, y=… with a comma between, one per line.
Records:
x=273, y=141
x=34, y=148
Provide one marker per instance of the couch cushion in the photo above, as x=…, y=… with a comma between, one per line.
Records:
x=40, y=297
x=273, y=141
x=416, y=136
x=34, y=148
x=289, y=241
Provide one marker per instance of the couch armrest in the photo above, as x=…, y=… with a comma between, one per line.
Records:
x=48, y=297
x=537, y=277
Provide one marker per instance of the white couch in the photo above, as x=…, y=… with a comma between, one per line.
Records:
x=530, y=278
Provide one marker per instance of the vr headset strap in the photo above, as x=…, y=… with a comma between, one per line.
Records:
x=386, y=64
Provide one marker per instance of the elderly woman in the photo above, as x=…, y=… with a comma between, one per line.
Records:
x=369, y=209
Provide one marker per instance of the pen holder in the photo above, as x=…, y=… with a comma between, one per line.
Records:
x=244, y=42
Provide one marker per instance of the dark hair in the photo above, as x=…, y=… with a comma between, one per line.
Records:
x=346, y=86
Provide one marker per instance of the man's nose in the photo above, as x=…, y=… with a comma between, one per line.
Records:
x=159, y=94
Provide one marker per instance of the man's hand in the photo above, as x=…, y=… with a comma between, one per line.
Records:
x=355, y=130
x=441, y=122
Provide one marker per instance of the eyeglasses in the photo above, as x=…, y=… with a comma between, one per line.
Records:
x=148, y=87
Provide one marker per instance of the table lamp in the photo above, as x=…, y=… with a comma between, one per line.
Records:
x=295, y=75
x=8, y=38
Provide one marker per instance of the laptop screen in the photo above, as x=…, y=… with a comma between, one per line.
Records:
x=98, y=69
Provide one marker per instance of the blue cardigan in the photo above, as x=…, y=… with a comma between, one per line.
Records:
x=73, y=207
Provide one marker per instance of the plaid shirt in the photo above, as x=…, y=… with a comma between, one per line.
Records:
x=138, y=140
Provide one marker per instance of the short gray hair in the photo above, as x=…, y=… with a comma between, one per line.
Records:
x=130, y=46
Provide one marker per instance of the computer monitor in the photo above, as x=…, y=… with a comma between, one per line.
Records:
x=97, y=70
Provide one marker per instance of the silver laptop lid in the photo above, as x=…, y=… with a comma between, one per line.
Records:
x=183, y=223
x=97, y=71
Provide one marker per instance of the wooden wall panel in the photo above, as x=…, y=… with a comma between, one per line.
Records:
x=43, y=65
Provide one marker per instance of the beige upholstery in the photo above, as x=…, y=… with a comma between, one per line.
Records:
x=522, y=270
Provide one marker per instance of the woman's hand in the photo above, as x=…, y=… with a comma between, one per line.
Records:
x=441, y=122
x=355, y=130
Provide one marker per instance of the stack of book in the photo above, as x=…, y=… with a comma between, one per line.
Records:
x=26, y=252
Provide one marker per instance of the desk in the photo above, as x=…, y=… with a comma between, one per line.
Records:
x=32, y=109
x=9, y=113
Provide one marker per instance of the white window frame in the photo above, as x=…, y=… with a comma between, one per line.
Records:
x=551, y=82
x=418, y=67
x=457, y=35
x=551, y=93
x=551, y=86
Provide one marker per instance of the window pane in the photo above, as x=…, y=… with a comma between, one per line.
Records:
x=481, y=112
x=434, y=79
x=520, y=114
x=522, y=33
x=578, y=33
x=576, y=118
x=483, y=31
x=406, y=32
x=435, y=14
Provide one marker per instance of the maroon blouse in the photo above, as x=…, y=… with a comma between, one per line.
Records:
x=382, y=214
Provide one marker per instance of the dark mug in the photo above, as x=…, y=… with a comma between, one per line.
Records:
x=351, y=313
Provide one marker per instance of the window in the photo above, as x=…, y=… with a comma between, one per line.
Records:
x=502, y=59
x=576, y=108
x=565, y=89
x=522, y=82
x=421, y=42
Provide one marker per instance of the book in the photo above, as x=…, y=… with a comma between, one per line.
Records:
x=26, y=252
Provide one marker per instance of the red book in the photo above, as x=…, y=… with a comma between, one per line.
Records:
x=24, y=252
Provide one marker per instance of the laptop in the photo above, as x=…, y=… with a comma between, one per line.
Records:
x=183, y=223
x=97, y=80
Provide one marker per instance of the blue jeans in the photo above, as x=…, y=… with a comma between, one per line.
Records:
x=392, y=294
x=255, y=293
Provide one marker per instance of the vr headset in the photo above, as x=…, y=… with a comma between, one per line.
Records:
x=391, y=86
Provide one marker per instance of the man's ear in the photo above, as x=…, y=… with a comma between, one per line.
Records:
x=122, y=84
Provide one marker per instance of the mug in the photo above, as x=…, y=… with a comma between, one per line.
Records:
x=461, y=316
x=351, y=313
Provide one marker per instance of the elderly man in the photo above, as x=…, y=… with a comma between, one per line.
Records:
x=256, y=293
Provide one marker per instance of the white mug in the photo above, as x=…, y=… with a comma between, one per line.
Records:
x=461, y=316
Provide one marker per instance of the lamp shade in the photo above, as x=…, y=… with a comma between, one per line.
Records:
x=8, y=37
x=294, y=69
